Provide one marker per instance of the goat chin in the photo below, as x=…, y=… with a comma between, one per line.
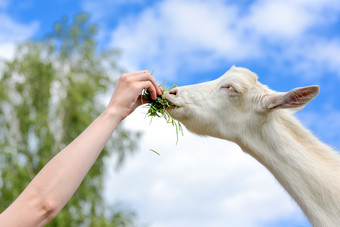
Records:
x=179, y=113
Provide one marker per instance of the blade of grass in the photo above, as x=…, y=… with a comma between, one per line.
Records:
x=154, y=151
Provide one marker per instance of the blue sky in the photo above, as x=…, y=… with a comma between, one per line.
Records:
x=287, y=43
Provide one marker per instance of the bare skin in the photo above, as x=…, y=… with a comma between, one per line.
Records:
x=57, y=181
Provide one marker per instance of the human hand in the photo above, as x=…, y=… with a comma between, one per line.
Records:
x=127, y=95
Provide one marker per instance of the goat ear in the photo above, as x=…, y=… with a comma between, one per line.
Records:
x=295, y=99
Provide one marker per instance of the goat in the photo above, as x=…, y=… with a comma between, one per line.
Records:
x=238, y=108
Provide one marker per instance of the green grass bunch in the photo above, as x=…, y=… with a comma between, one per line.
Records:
x=158, y=108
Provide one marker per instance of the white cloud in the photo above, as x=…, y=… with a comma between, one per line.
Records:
x=193, y=36
x=288, y=19
x=320, y=57
x=7, y=50
x=13, y=32
x=289, y=25
x=202, y=181
x=278, y=19
x=176, y=34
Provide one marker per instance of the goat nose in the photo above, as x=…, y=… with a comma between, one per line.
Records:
x=173, y=91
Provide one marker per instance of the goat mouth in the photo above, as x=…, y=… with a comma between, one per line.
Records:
x=172, y=107
x=174, y=110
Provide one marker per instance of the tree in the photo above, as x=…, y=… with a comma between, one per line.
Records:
x=49, y=93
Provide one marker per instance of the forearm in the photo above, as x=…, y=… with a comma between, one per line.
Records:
x=58, y=180
x=71, y=165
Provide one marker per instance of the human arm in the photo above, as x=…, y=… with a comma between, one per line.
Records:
x=54, y=185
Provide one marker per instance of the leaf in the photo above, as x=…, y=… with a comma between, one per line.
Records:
x=154, y=151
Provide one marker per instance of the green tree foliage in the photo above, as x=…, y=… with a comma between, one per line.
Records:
x=49, y=93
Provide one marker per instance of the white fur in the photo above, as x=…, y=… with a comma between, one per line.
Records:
x=238, y=108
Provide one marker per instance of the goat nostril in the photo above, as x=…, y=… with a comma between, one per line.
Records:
x=173, y=92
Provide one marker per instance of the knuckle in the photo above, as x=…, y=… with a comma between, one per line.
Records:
x=124, y=77
x=127, y=78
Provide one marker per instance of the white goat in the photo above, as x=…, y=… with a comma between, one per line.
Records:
x=238, y=108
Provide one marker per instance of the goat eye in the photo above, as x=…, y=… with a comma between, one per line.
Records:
x=229, y=88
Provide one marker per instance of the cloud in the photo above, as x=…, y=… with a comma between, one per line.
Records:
x=290, y=28
x=173, y=35
x=202, y=181
x=13, y=32
x=7, y=50
x=285, y=20
x=179, y=37
x=277, y=20
x=318, y=57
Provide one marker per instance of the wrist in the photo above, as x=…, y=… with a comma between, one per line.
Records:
x=113, y=114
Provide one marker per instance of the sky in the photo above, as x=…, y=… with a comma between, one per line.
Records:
x=204, y=181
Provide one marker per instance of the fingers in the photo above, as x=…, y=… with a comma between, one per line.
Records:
x=146, y=76
x=126, y=96
x=150, y=86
